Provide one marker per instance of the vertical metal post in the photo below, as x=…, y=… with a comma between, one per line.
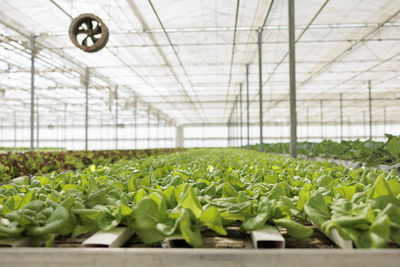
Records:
x=132, y=141
x=101, y=130
x=148, y=126
x=237, y=122
x=235, y=125
x=133, y=133
x=15, y=130
x=260, y=88
x=203, y=134
x=232, y=129
x=33, y=51
x=341, y=116
x=292, y=74
x=72, y=134
x=167, y=133
x=65, y=125
x=229, y=133
x=236, y=128
x=179, y=136
x=241, y=116
x=370, y=109
x=135, y=122
x=321, y=110
x=384, y=120
x=232, y=138
x=307, y=124
x=116, y=117
x=158, y=130
x=86, y=107
x=37, y=122
x=247, y=106
x=58, y=134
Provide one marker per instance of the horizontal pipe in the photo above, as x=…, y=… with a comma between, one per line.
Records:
x=209, y=124
x=239, y=28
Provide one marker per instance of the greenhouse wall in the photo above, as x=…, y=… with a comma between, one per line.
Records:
x=104, y=136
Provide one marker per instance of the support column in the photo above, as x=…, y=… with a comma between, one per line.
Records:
x=341, y=116
x=203, y=135
x=101, y=131
x=33, y=51
x=321, y=103
x=260, y=88
x=229, y=132
x=135, y=122
x=37, y=123
x=307, y=124
x=15, y=130
x=72, y=135
x=167, y=131
x=58, y=134
x=158, y=130
x=179, y=136
x=236, y=128
x=241, y=116
x=148, y=127
x=116, y=117
x=86, y=107
x=248, y=106
x=237, y=121
x=370, y=109
x=65, y=125
x=292, y=74
x=384, y=120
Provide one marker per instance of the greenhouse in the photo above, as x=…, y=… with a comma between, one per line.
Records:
x=166, y=132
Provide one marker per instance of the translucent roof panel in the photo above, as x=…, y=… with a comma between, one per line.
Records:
x=185, y=60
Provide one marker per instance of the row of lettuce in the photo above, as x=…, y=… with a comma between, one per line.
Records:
x=186, y=192
x=370, y=152
x=14, y=165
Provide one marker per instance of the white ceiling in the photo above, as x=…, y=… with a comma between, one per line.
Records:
x=341, y=44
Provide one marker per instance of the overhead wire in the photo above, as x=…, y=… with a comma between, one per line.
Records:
x=233, y=53
x=179, y=60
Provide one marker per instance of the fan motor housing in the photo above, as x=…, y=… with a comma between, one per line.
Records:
x=83, y=24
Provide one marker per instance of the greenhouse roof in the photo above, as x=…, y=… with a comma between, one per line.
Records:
x=185, y=60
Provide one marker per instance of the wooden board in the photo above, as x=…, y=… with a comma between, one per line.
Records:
x=153, y=257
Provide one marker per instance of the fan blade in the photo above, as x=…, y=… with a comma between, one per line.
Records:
x=89, y=24
x=84, y=41
x=94, y=39
x=81, y=31
x=93, y=23
x=97, y=30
